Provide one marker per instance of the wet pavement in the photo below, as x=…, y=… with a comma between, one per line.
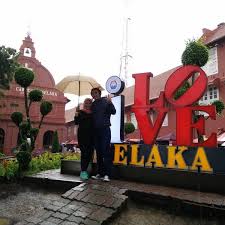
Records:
x=22, y=202
x=18, y=202
x=97, y=202
x=142, y=214
x=190, y=197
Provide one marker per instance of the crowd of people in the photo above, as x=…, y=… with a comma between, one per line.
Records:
x=94, y=133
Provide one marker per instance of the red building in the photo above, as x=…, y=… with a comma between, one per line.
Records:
x=14, y=101
x=215, y=70
x=70, y=125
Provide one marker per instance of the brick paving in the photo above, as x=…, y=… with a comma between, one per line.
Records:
x=86, y=204
x=97, y=202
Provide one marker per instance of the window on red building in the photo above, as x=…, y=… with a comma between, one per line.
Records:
x=211, y=66
x=48, y=139
x=210, y=96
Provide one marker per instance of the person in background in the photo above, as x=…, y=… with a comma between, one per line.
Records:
x=85, y=135
x=102, y=108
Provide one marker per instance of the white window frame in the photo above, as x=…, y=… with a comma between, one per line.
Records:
x=211, y=66
x=211, y=95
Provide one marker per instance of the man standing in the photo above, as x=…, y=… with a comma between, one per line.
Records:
x=102, y=108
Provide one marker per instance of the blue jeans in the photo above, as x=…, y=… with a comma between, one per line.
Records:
x=103, y=151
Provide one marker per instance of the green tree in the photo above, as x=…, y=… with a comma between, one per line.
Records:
x=27, y=133
x=55, y=142
x=8, y=66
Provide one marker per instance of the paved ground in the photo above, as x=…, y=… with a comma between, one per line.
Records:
x=18, y=202
x=210, y=200
x=87, y=204
x=145, y=214
x=97, y=202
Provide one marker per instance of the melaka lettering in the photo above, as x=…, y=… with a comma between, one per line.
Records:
x=133, y=155
x=183, y=106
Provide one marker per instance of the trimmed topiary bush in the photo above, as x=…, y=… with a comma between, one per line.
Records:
x=55, y=142
x=46, y=107
x=35, y=96
x=23, y=158
x=196, y=53
x=24, y=77
x=28, y=134
x=24, y=126
x=34, y=131
x=129, y=128
x=17, y=118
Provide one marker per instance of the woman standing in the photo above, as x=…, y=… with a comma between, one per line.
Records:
x=84, y=120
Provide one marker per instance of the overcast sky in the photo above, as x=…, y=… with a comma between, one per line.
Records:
x=88, y=36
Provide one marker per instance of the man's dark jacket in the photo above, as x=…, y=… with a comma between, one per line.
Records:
x=102, y=109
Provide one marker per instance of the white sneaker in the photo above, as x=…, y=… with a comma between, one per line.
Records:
x=97, y=177
x=106, y=178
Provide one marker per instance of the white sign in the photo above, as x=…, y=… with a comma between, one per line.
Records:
x=116, y=120
x=114, y=85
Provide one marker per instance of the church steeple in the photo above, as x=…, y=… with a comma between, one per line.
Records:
x=27, y=48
